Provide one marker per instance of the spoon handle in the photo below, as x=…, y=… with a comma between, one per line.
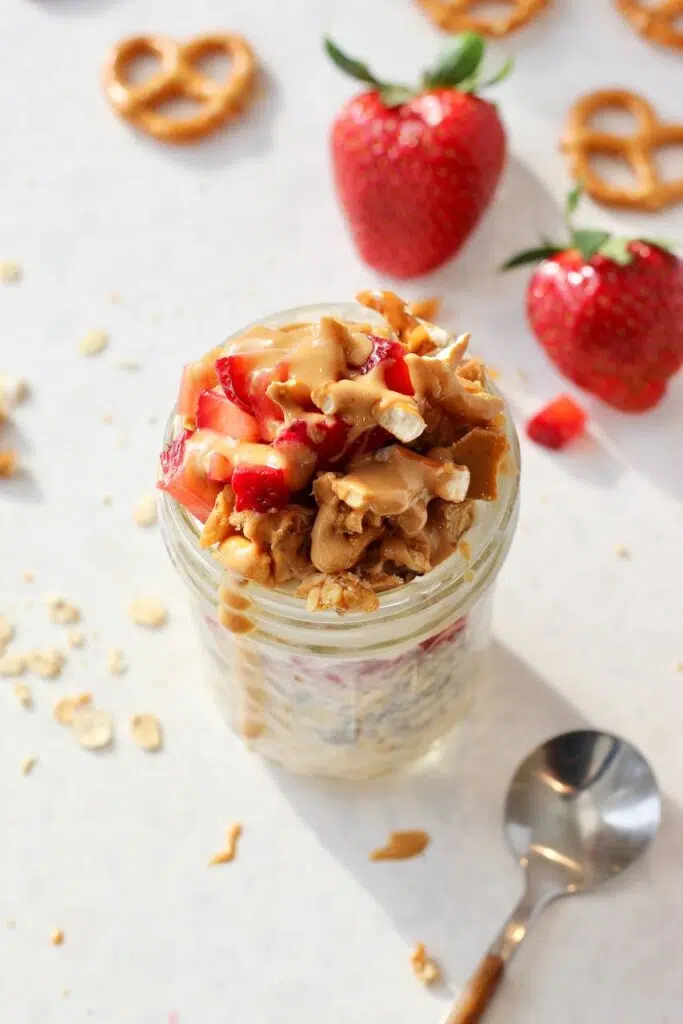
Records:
x=478, y=992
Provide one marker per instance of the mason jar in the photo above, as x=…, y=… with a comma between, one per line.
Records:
x=355, y=695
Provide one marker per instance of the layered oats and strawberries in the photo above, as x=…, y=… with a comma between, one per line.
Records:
x=339, y=459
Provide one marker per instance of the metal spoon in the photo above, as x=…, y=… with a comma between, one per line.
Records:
x=579, y=810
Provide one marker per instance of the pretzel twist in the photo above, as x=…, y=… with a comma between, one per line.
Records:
x=179, y=77
x=657, y=23
x=581, y=141
x=454, y=16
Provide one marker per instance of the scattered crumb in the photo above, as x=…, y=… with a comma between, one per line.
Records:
x=10, y=923
x=94, y=729
x=66, y=993
x=107, y=418
x=679, y=666
x=61, y=611
x=6, y=631
x=114, y=297
x=107, y=499
x=12, y=665
x=145, y=511
x=10, y=272
x=13, y=390
x=9, y=463
x=122, y=440
x=65, y=709
x=622, y=551
x=424, y=968
x=93, y=342
x=75, y=638
x=23, y=694
x=230, y=850
x=27, y=576
x=129, y=364
x=152, y=420
x=47, y=662
x=146, y=731
x=402, y=845
x=28, y=764
x=57, y=937
x=115, y=661
x=148, y=611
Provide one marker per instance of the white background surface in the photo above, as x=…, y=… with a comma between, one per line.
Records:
x=302, y=928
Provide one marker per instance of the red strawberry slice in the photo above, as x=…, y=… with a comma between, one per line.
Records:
x=369, y=441
x=181, y=478
x=557, y=423
x=217, y=412
x=245, y=381
x=197, y=377
x=391, y=357
x=324, y=435
x=259, y=488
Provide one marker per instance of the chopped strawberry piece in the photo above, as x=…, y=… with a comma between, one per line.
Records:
x=259, y=488
x=557, y=423
x=234, y=374
x=369, y=441
x=245, y=380
x=181, y=478
x=324, y=435
x=216, y=412
x=391, y=356
x=197, y=377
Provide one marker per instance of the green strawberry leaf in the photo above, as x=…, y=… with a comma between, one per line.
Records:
x=573, y=199
x=458, y=61
x=395, y=95
x=348, y=65
x=588, y=241
x=616, y=249
x=500, y=75
x=543, y=252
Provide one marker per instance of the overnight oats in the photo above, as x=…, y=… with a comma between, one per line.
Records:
x=340, y=491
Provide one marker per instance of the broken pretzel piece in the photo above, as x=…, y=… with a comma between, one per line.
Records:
x=457, y=16
x=659, y=22
x=402, y=846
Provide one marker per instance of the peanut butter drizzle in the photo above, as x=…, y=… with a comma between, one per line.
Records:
x=402, y=846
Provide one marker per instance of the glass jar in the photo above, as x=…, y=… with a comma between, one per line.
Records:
x=356, y=695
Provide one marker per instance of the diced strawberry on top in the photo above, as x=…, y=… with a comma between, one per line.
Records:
x=184, y=481
x=324, y=435
x=216, y=412
x=391, y=357
x=245, y=381
x=259, y=488
x=197, y=377
x=557, y=423
x=369, y=441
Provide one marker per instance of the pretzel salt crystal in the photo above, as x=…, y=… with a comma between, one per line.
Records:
x=179, y=77
x=580, y=142
x=455, y=16
x=655, y=22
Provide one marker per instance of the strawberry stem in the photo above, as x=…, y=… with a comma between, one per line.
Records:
x=392, y=93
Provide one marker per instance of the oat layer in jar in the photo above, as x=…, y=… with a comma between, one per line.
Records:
x=368, y=691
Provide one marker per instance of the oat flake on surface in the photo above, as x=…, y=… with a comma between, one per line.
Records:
x=621, y=551
x=75, y=638
x=28, y=764
x=146, y=731
x=6, y=631
x=23, y=694
x=424, y=968
x=46, y=662
x=12, y=665
x=148, y=611
x=94, y=729
x=230, y=850
x=61, y=611
x=93, y=342
x=65, y=709
x=57, y=937
x=116, y=662
x=145, y=510
x=10, y=272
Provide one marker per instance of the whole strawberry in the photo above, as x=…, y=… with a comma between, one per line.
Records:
x=609, y=312
x=416, y=168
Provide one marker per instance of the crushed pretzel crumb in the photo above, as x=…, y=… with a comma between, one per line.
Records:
x=9, y=463
x=107, y=499
x=94, y=342
x=65, y=709
x=107, y=418
x=94, y=729
x=10, y=272
x=75, y=638
x=57, y=937
x=47, y=662
x=148, y=611
x=424, y=968
x=622, y=551
x=145, y=510
x=115, y=661
x=61, y=611
x=147, y=732
x=23, y=694
x=230, y=850
x=28, y=764
x=12, y=665
x=28, y=576
x=6, y=631
x=402, y=846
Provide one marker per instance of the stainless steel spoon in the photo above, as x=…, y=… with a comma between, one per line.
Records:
x=579, y=810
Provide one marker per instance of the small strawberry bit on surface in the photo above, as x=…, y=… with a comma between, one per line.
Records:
x=197, y=377
x=259, y=488
x=217, y=412
x=184, y=481
x=557, y=423
x=389, y=355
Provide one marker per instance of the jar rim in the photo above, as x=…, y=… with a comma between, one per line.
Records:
x=466, y=582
